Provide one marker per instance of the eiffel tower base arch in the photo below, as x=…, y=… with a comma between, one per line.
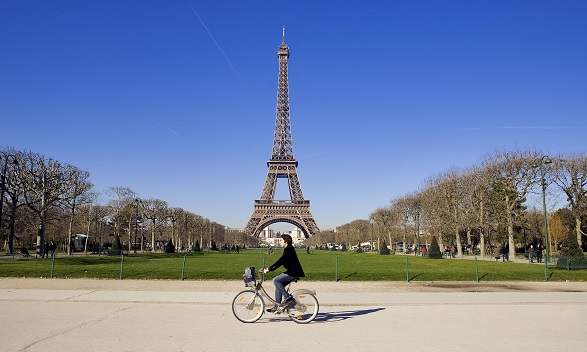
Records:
x=269, y=212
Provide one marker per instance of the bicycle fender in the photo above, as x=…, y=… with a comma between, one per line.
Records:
x=303, y=291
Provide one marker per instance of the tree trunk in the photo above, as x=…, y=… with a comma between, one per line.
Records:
x=12, y=220
x=511, y=239
x=578, y=231
x=459, y=247
x=71, y=230
x=481, y=233
x=41, y=238
x=482, y=243
x=510, y=225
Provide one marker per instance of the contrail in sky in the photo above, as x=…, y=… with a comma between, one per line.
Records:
x=217, y=45
x=167, y=128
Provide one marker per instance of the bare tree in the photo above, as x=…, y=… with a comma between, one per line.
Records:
x=513, y=177
x=155, y=210
x=44, y=182
x=121, y=202
x=570, y=175
x=173, y=216
x=477, y=204
x=383, y=220
x=12, y=185
x=77, y=185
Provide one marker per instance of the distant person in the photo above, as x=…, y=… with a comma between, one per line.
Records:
x=424, y=251
x=52, y=248
x=289, y=260
x=496, y=252
x=25, y=252
x=539, y=253
x=531, y=253
x=505, y=252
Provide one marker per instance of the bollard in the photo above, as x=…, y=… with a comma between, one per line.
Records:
x=476, y=269
x=121, y=264
x=52, y=264
x=183, y=268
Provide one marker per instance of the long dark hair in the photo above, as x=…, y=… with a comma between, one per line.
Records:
x=287, y=238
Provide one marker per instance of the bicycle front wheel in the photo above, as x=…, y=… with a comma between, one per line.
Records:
x=248, y=306
x=305, y=310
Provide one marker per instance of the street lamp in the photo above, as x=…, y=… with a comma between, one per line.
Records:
x=541, y=162
x=372, y=222
x=138, y=201
x=417, y=205
x=9, y=248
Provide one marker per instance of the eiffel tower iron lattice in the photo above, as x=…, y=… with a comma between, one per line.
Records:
x=282, y=164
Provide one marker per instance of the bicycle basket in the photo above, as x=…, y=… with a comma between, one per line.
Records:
x=250, y=276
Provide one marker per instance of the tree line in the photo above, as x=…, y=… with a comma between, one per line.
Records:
x=486, y=205
x=44, y=199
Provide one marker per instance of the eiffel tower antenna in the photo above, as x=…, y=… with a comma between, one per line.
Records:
x=283, y=35
x=282, y=164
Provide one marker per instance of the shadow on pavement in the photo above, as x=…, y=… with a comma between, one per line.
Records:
x=337, y=316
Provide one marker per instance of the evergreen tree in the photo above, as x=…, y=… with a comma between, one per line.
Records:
x=116, y=246
x=170, y=248
x=383, y=248
x=434, y=251
x=571, y=256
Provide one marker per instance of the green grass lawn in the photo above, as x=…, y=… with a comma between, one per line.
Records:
x=318, y=266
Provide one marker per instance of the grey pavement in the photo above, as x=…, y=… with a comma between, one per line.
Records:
x=107, y=315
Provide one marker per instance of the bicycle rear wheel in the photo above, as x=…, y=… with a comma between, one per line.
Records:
x=248, y=306
x=305, y=310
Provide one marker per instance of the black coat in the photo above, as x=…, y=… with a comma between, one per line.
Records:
x=289, y=260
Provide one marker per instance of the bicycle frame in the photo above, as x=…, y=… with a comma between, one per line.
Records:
x=261, y=290
x=249, y=305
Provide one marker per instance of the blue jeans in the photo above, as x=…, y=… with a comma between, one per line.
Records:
x=280, y=281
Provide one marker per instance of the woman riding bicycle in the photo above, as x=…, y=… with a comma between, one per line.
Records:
x=289, y=260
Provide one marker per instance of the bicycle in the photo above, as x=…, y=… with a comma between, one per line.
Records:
x=248, y=306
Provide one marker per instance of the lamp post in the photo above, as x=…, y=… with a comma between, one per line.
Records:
x=372, y=222
x=417, y=205
x=136, y=225
x=541, y=162
x=9, y=249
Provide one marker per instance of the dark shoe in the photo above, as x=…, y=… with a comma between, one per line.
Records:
x=289, y=303
x=272, y=310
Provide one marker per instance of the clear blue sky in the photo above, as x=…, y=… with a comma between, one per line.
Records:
x=176, y=99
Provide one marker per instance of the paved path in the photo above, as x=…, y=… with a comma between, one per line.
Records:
x=106, y=315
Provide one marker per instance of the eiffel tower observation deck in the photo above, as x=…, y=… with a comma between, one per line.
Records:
x=282, y=164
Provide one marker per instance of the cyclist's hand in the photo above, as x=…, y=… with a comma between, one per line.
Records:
x=265, y=270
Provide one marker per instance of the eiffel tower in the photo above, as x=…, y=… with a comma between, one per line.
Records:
x=282, y=164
